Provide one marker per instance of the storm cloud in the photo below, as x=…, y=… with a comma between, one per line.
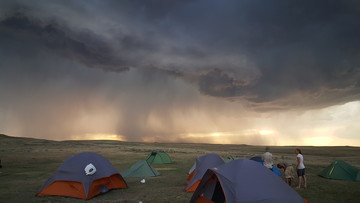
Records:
x=260, y=52
x=147, y=61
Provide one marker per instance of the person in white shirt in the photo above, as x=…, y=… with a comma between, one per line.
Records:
x=300, y=169
x=267, y=159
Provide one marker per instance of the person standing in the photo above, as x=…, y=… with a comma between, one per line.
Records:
x=267, y=159
x=300, y=169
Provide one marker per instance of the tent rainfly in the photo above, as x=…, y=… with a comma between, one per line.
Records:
x=84, y=176
x=202, y=163
x=140, y=169
x=341, y=170
x=243, y=180
x=158, y=158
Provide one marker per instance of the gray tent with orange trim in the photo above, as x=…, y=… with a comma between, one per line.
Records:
x=246, y=181
x=202, y=163
x=84, y=176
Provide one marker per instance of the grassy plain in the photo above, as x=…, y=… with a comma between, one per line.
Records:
x=28, y=163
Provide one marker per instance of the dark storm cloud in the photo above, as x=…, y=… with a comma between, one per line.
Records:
x=299, y=47
x=269, y=54
x=85, y=47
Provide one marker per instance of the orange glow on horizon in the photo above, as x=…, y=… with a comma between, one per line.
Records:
x=266, y=132
x=318, y=141
x=100, y=136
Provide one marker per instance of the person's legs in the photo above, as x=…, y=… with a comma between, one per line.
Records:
x=302, y=178
x=288, y=181
x=300, y=181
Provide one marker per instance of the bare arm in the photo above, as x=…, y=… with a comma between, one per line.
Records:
x=298, y=162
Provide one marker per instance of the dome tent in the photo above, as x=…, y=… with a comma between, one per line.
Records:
x=158, y=158
x=202, y=163
x=341, y=170
x=140, y=169
x=243, y=180
x=84, y=176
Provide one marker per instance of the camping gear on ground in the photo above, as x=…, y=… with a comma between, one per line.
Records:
x=243, y=180
x=341, y=170
x=258, y=159
x=140, y=169
x=84, y=176
x=202, y=164
x=276, y=171
x=158, y=158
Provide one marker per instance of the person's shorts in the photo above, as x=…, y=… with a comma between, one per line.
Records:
x=300, y=172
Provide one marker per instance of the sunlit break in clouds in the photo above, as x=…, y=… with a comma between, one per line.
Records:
x=228, y=72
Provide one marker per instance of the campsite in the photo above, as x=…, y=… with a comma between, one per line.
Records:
x=27, y=163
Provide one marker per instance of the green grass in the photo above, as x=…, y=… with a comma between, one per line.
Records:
x=28, y=163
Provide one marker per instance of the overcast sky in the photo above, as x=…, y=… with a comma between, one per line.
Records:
x=235, y=71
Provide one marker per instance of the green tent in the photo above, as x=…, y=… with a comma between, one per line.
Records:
x=140, y=169
x=341, y=170
x=158, y=158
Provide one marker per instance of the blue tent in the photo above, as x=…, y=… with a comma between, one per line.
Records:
x=243, y=180
x=256, y=158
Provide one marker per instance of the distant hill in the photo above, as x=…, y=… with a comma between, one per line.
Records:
x=7, y=137
x=11, y=141
x=3, y=136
